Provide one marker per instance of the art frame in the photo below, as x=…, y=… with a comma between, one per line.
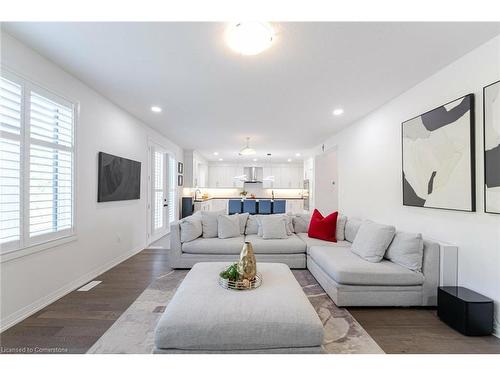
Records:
x=487, y=159
x=436, y=120
x=180, y=180
x=180, y=167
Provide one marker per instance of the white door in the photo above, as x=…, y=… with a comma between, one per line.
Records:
x=325, y=183
x=159, y=193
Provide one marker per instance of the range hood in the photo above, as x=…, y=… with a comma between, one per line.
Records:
x=253, y=175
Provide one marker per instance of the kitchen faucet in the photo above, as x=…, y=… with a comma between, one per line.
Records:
x=196, y=194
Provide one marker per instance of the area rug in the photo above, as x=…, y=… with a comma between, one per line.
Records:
x=133, y=332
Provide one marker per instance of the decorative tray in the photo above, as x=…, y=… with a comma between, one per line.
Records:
x=241, y=285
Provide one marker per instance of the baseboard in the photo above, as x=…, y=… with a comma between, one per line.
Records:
x=29, y=310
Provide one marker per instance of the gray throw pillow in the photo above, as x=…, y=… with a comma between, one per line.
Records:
x=351, y=229
x=228, y=226
x=407, y=250
x=372, y=240
x=340, y=232
x=190, y=228
x=301, y=223
x=209, y=223
x=243, y=221
x=274, y=227
x=252, y=224
x=288, y=221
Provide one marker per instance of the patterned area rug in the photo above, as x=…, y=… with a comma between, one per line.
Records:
x=133, y=332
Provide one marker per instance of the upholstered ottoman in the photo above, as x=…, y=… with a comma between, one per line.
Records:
x=203, y=317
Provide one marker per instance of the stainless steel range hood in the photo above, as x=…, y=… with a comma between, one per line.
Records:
x=253, y=175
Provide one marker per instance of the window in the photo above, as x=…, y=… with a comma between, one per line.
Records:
x=37, y=165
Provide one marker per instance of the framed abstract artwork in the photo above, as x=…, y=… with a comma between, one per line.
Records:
x=180, y=180
x=491, y=127
x=180, y=167
x=438, y=157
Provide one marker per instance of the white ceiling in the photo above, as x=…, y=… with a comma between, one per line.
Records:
x=283, y=98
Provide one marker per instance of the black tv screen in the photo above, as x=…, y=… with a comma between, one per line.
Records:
x=119, y=178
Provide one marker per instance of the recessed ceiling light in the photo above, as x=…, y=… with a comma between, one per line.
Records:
x=289, y=160
x=216, y=153
x=220, y=159
x=338, y=111
x=156, y=109
x=254, y=159
x=297, y=154
x=249, y=38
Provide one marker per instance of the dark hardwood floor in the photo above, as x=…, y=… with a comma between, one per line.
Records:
x=75, y=322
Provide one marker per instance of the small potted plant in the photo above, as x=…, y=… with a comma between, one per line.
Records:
x=243, y=194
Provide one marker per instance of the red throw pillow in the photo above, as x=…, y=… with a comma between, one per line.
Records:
x=324, y=228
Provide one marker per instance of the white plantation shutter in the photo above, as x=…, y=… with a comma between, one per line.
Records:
x=37, y=165
x=10, y=162
x=51, y=166
x=171, y=189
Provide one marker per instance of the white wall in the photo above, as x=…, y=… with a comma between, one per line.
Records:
x=106, y=232
x=369, y=157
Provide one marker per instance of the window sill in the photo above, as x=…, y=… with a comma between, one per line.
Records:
x=14, y=254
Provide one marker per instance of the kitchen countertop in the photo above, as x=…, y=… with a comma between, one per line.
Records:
x=256, y=198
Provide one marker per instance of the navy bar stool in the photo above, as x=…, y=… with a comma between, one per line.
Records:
x=279, y=207
x=234, y=206
x=250, y=206
x=264, y=206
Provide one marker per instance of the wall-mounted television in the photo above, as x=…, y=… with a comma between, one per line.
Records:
x=119, y=178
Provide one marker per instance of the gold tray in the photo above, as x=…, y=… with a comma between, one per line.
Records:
x=238, y=285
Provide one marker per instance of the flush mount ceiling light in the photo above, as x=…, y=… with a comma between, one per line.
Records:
x=247, y=150
x=156, y=109
x=249, y=38
x=338, y=111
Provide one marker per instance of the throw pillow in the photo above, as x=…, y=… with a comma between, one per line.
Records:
x=407, y=250
x=252, y=225
x=301, y=223
x=351, y=228
x=341, y=222
x=372, y=240
x=288, y=219
x=209, y=223
x=274, y=227
x=228, y=226
x=243, y=221
x=323, y=228
x=191, y=228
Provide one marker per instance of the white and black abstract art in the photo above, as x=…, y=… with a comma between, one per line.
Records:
x=438, y=157
x=491, y=118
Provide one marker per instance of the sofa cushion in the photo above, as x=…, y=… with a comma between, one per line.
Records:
x=214, y=245
x=290, y=245
x=323, y=227
x=190, y=227
x=228, y=226
x=372, y=240
x=345, y=267
x=406, y=249
x=351, y=228
x=310, y=242
x=209, y=223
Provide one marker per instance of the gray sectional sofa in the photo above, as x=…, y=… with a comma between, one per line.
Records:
x=347, y=278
